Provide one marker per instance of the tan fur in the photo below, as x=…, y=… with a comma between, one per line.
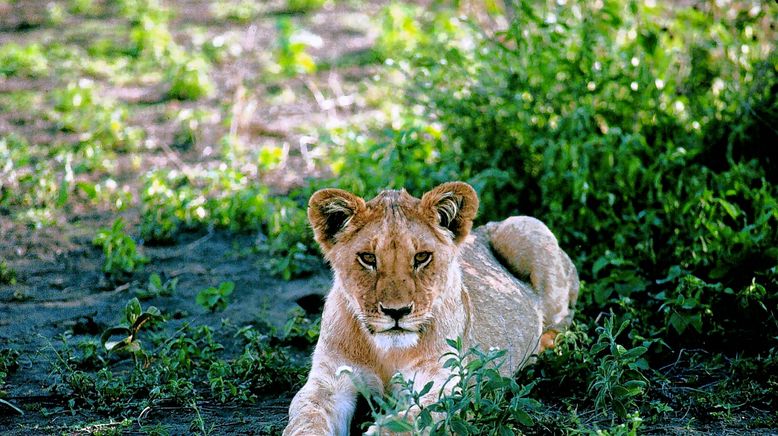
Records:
x=463, y=291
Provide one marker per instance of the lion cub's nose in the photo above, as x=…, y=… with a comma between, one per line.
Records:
x=396, y=314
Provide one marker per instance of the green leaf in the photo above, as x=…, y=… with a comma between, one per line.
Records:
x=62, y=198
x=523, y=417
x=678, y=322
x=458, y=426
x=602, y=293
x=729, y=208
x=122, y=332
x=619, y=409
x=226, y=288
x=88, y=189
x=424, y=419
x=132, y=310
x=142, y=319
x=155, y=280
x=620, y=392
x=427, y=387
x=634, y=353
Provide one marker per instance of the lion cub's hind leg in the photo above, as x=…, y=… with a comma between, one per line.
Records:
x=529, y=249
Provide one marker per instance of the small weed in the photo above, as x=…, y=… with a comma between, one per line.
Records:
x=198, y=423
x=121, y=254
x=9, y=362
x=240, y=11
x=301, y=6
x=55, y=14
x=215, y=298
x=299, y=329
x=269, y=158
x=124, y=337
x=190, y=80
x=619, y=379
x=16, y=60
x=156, y=288
x=90, y=357
x=188, y=124
x=152, y=39
x=291, y=55
x=7, y=275
x=155, y=430
x=102, y=123
x=401, y=30
x=82, y=7
x=290, y=242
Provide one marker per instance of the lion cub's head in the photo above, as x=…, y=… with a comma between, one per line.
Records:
x=394, y=254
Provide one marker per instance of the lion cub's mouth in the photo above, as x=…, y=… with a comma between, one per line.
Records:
x=395, y=338
x=394, y=329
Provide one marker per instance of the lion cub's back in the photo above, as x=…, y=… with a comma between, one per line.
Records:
x=504, y=311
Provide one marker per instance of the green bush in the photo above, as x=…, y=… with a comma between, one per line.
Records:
x=637, y=132
x=633, y=130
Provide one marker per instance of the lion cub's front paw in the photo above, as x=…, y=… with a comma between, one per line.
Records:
x=374, y=430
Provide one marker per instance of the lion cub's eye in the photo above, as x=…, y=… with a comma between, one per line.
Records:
x=367, y=260
x=421, y=259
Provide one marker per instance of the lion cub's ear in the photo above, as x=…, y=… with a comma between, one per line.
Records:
x=329, y=211
x=452, y=206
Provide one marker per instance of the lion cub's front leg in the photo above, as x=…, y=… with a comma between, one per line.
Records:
x=326, y=403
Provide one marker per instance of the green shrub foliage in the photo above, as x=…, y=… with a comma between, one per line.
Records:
x=642, y=134
x=636, y=131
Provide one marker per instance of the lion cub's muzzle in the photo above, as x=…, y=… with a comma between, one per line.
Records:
x=396, y=326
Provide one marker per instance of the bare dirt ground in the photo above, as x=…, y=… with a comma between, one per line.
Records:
x=60, y=288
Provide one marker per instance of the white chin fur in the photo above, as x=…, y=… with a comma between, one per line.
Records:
x=388, y=341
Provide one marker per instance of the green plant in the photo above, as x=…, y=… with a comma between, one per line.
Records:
x=84, y=7
x=652, y=155
x=215, y=298
x=292, y=57
x=299, y=329
x=290, y=241
x=190, y=80
x=270, y=157
x=157, y=288
x=9, y=362
x=198, y=423
x=90, y=357
x=481, y=399
x=299, y=6
x=241, y=11
x=78, y=108
x=19, y=60
x=151, y=37
x=124, y=338
x=400, y=30
x=121, y=254
x=7, y=275
x=619, y=378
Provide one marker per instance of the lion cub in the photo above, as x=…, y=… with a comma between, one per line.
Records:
x=408, y=274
